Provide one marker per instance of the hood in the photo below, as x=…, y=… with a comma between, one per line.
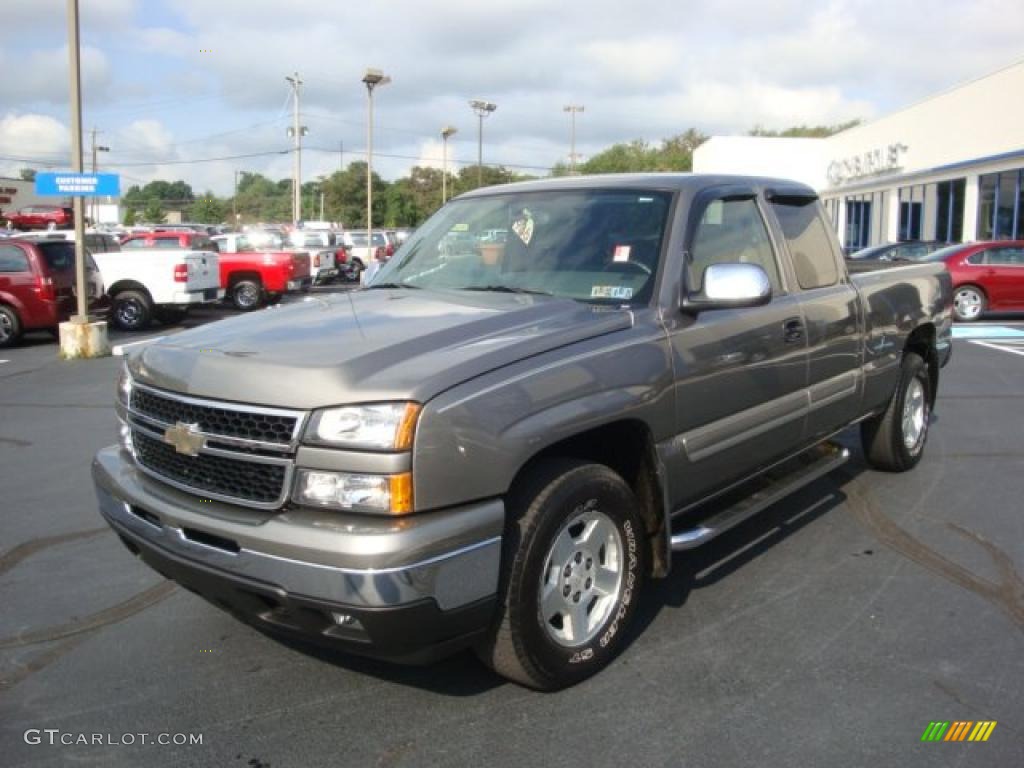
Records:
x=366, y=346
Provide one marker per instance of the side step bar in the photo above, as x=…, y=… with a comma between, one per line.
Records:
x=811, y=465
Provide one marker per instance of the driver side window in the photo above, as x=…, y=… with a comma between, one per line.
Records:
x=731, y=231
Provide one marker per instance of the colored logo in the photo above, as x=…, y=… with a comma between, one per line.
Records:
x=958, y=730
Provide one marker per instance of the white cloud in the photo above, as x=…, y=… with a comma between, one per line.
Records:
x=42, y=76
x=30, y=136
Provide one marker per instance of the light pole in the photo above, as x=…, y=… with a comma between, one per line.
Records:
x=572, y=109
x=96, y=148
x=296, y=132
x=446, y=133
x=482, y=109
x=372, y=79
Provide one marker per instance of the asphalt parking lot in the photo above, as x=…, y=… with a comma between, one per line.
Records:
x=829, y=631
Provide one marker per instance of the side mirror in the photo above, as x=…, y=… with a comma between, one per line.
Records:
x=730, y=286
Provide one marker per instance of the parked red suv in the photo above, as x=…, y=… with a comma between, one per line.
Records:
x=37, y=286
x=41, y=217
x=189, y=240
x=986, y=276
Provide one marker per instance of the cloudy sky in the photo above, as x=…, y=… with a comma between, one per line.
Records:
x=169, y=82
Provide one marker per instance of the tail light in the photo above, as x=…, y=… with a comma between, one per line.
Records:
x=181, y=273
x=341, y=256
x=390, y=250
x=46, y=289
x=316, y=261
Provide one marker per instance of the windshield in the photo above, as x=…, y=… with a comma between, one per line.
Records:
x=265, y=239
x=589, y=245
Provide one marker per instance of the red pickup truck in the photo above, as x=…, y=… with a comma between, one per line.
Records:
x=252, y=278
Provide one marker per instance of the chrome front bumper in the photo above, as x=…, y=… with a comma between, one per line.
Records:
x=451, y=557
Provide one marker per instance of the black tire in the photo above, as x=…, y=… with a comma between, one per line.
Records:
x=170, y=315
x=885, y=437
x=542, y=510
x=969, y=303
x=247, y=295
x=132, y=310
x=10, y=326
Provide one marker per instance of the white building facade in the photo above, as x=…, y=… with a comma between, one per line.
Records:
x=948, y=168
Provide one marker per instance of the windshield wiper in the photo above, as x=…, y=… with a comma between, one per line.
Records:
x=393, y=285
x=504, y=289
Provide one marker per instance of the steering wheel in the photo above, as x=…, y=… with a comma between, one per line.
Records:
x=617, y=266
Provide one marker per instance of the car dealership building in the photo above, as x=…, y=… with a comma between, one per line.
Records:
x=948, y=168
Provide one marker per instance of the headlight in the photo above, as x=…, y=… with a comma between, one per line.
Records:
x=376, y=494
x=382, y=427
x=124, y=385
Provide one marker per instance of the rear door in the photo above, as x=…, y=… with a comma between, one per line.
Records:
x=18, y=281
x=741, y=375
x=1003, y=270
x=58, y=264
x=831, y=310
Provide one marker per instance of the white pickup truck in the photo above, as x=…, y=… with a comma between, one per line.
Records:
x=158, y=283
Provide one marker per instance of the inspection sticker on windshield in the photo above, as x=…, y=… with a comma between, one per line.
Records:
x=621, y=253
x=611, y=292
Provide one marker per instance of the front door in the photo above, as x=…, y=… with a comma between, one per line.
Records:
x=741, y=375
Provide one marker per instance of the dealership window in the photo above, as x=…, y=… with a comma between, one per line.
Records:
x=911, y=212
x=1000, y=206
x=865, y=215
x=949, y=210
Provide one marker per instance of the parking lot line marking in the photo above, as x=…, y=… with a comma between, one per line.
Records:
x=1000, y=347
x=118, y=349
x=5, y=361
x=986, y=332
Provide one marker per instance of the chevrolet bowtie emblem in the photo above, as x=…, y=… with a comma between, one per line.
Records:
x=185, y=438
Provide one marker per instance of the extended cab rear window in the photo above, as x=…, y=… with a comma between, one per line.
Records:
x=809, y=245
x=59, y=256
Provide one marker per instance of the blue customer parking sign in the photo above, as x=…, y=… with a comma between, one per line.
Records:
x=72, y=184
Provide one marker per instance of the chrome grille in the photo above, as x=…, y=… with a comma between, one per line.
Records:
x=217, y=476
x=264, y=425
x=247, y=453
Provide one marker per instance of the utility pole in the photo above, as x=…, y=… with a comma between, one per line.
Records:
x=482, y=109
x=95, y=148
x=78, y=209
x=572, y=109
x=297, y=132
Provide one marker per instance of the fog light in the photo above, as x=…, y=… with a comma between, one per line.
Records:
x=379, y=494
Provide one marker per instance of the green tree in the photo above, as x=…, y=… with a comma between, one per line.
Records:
x=153, y=212
x=129, y=217
x=207, y=209
x=804, y=131
x=27, y=174
x=345, y=196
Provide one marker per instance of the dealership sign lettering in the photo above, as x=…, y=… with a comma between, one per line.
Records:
x=871, y=163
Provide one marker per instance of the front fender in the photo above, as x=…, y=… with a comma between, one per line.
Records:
x=473, y=439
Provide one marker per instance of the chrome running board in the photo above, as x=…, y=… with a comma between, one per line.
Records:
x=811, y=465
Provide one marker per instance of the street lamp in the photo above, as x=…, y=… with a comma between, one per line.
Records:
x=572, y=109
x=482, y=109
x=372, y=79
x=446, y=133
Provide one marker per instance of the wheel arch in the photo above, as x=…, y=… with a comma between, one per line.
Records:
x=627, y=447
x=921, y=341
x=129, y=285
x=236, y=277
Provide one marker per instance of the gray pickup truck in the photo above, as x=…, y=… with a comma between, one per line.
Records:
x=549, y=389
